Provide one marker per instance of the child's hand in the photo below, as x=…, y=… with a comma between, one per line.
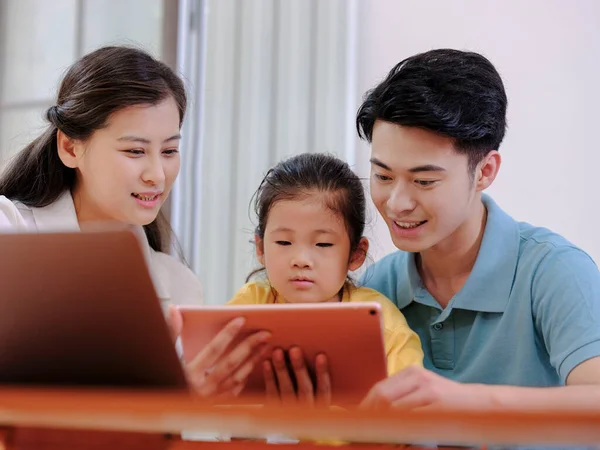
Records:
x=279, y=385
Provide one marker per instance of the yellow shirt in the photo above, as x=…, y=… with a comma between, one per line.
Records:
x=402, y=345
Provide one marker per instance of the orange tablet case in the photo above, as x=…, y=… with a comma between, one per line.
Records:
x=349, y=334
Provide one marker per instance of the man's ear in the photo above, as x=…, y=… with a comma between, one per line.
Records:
x=487, y=170
x=260, y=249
x=357, y=258
x=69, y=150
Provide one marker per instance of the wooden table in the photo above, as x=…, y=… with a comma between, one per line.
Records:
x=46, y=419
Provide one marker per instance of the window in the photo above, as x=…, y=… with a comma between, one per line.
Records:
x=40, y=39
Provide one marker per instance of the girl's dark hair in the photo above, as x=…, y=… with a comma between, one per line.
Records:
x=98, y=85
x=302, y=175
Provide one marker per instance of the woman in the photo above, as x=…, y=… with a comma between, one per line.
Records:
x=110, y=153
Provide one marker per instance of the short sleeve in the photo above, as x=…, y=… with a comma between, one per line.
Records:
x=251, y=293
x=402, y=345
x=566, y=307
x=403, y=349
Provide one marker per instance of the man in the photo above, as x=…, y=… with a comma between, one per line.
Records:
x=502, y=308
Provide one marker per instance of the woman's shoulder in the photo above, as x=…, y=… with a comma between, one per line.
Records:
x=181, y=283
x=13, y=215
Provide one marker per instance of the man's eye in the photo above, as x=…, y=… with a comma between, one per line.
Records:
x=380, y=177
x=425, y=183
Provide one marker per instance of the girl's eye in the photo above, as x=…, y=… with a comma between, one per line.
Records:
x=171, y=151
x=324, y=244
x=135, y=152
x=283, y=243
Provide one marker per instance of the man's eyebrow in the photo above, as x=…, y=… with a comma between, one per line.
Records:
x=175, y=137
x=426, y=168
x=423, y=168
x=380, y=164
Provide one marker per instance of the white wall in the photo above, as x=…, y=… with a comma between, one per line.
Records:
x=548, y=53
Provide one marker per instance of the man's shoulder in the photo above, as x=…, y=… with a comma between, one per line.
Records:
x=539, y=244
x=386, y=274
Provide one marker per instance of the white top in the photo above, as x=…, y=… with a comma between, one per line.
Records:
x=174, y=282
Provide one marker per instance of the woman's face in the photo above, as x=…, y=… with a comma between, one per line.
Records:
x=125, y=170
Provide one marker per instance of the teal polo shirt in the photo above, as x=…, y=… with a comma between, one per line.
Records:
x=528, y=313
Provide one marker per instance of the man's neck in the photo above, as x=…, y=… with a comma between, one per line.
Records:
x=446, y=267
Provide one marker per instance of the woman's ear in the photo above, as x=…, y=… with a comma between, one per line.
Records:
x=357, y=258
x=260, y=249
x=69, y=150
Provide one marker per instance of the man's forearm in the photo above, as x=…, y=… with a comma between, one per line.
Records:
x=576, y=397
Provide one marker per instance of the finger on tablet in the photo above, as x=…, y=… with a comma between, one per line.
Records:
x=227, y=365
x=284, y=380
x=324, y=388
x=242, y=374
x=271, y=388
x=174, y=322
x=215, y=349
x=303, y=381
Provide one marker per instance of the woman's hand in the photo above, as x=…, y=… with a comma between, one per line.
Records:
x=213, y=372
x=279, y=385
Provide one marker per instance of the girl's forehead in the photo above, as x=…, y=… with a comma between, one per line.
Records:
x=305, y=214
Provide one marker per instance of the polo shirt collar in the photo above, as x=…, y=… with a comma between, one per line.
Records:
x=488, y=287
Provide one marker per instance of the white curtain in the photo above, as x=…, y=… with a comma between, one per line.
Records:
x=267, y=79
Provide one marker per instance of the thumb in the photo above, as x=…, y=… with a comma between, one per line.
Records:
x=174, y=322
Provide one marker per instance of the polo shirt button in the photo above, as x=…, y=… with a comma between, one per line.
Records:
x=438, y=326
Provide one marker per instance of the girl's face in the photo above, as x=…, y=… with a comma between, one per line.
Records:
x=125, y=170
x=306, y=250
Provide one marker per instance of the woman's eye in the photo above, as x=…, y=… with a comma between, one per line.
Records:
x=171, y=151
x=135, y=151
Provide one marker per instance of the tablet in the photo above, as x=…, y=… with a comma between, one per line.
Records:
x=80, y=309
x=350, y=334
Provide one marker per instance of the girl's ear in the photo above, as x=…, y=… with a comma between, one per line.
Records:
x=260, y=249
x=360, y=254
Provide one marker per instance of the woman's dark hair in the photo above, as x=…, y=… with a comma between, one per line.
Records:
x=450, y=92
x=301, y=176
x=98, y=85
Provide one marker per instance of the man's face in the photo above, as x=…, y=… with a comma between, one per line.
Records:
x=421, y=186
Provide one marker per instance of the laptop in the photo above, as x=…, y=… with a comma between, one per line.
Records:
x=79, y=309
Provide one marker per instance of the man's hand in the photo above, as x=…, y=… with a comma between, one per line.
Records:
x=416, y=387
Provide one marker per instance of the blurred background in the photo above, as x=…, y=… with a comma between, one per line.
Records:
x=271, y=78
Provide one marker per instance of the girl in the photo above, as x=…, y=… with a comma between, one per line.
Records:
x=311, y=219
x=110, y=153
